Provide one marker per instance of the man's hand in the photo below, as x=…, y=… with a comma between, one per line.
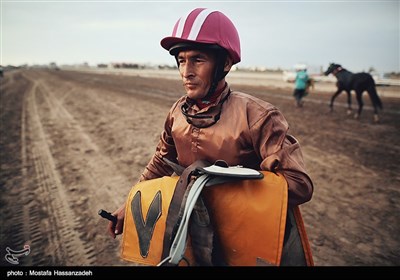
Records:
x=115, y=229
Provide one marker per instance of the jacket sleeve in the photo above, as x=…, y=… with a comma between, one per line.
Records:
x=281, y=153
x=156, y=167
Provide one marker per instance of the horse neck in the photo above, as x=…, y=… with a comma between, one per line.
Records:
x=343, y=73
x=344, y=77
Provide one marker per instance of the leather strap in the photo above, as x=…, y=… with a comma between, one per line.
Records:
x=174, y=212
x=303, y=235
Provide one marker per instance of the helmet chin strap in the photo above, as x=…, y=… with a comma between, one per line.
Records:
x=218, y=74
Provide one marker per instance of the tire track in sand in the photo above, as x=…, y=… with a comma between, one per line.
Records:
x=63, y=245
x=64, y=145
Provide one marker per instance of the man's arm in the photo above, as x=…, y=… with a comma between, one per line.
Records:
x=281, y=153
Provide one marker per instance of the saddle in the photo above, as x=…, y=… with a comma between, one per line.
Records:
x=209, y=215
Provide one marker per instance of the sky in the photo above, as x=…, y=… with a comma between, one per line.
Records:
x=274, y=34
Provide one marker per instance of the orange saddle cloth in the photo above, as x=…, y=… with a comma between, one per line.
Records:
x=249, y=217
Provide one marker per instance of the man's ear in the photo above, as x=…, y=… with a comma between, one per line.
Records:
x=228, y=64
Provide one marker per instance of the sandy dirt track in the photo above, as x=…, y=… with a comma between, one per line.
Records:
x=72, y=143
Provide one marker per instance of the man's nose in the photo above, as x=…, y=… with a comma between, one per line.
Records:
x=187, y=70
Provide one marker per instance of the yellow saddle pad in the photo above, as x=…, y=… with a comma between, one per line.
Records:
x=248, y=215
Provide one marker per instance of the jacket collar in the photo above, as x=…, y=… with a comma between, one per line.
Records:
x=195, y=108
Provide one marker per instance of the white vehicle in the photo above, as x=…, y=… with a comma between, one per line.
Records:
x=289, y=76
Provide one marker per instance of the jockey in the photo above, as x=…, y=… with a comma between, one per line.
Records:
x=213, y=122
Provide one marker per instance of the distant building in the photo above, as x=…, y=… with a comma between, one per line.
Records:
x=53, y=66
x=126, y=65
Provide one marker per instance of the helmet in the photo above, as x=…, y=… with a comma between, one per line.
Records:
x=204, y=28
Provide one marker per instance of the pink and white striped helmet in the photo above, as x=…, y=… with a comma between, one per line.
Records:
x=205, y=26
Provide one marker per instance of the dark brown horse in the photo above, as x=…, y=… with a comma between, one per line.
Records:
x=359, y=82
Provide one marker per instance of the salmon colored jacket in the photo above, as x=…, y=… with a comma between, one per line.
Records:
x=250, y=132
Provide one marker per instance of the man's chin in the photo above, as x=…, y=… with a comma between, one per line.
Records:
x=194, y=94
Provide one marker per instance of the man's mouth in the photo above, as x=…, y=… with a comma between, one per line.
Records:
x=190, y=85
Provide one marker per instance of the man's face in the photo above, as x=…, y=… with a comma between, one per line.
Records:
x=196, y=69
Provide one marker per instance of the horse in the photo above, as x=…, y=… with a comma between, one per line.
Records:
x=359, y=82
